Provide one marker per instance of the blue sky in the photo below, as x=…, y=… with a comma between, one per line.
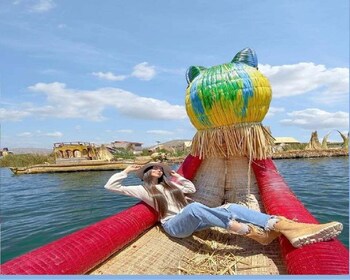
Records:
x=101, y=71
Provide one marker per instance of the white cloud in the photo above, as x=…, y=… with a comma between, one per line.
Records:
x=12, y=115
x=178, y=71
x=314, y=119
x=51, y=71
x=144, y=71
x=42, y=6
x=273, y=110
x=297, y=79
x=65, y=103
x=25, y=134
x=124, y=131
x=38, y=135
x=54, y=134
x=109, y=76
x=160, y=132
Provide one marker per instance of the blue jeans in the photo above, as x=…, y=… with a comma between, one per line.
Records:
x=197, y=216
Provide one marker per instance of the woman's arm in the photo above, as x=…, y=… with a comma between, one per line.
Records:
x=115, y=183
x=186, y=186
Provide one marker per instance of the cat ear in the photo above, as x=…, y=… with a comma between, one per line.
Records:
x=193, y=72
x=247, y=56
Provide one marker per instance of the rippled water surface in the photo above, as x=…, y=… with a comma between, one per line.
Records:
x=322, y=184
x=39, y=208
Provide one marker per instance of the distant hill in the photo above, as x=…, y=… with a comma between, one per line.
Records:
x=41, y=151
x=171, y=144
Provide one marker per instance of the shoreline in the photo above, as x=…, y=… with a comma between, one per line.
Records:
x=113, y=165
x=292, y=154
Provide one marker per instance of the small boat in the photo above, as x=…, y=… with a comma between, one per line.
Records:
x=74, y=157
x=91, y=165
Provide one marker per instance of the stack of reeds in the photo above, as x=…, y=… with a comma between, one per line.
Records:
x=218, y=256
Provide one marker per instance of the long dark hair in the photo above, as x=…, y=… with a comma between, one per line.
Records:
x=159, y=199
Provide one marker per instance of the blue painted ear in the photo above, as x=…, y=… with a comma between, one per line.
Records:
x=193, y=72
x=247, y=56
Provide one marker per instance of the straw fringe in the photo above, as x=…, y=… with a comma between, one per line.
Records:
x=250, y=139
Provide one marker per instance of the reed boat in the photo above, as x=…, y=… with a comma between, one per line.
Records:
x=74, y=157
x=230, y=162
x=90, y=165
x=132, y=241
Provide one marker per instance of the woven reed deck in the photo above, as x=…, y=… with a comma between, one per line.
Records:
x=212, y=251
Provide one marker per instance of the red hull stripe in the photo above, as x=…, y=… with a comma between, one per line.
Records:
x=80, y=251
x=330, y=257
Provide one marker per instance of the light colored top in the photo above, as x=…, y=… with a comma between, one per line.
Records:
x=115, y=184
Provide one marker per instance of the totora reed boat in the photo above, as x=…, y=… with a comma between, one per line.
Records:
x=90, y=165
x=230, y=161
x=73, y=157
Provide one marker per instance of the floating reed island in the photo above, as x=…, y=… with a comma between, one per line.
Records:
x=293, y=154
x=310, y=153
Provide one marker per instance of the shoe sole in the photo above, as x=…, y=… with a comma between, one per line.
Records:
x=323, y=234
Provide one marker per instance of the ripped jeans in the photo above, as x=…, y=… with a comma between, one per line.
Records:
x=196, y=216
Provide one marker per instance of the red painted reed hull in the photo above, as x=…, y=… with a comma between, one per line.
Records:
x=330, y=257
x=79, y=252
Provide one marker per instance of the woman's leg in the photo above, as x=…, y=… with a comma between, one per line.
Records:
x=197, y=216
x=300, y=234
x=234, y=217
x=243, y=214
x=256, y=222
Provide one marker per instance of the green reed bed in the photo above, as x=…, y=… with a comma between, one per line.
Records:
x=23, y=160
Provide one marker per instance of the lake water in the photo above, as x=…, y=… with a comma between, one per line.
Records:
x=40, y=208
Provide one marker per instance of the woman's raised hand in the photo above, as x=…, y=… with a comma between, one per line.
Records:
x=173, y=173
x=132, y=168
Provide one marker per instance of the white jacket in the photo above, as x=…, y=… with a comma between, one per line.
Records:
x=115, y=184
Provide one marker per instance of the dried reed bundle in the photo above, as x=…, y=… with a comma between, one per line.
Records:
x=251, y=140
x=215, y=258
x=210, y=263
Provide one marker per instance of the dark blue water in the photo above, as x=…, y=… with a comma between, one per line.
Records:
x=39, y=208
